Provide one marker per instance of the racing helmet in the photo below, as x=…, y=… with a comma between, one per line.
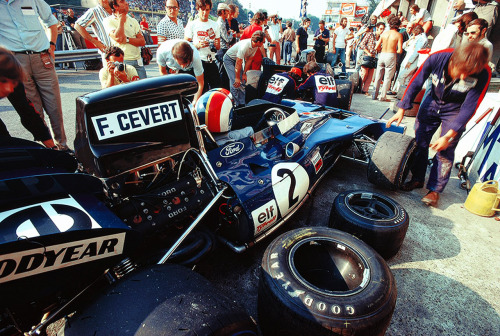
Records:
x=296, y=71
x=215, y=109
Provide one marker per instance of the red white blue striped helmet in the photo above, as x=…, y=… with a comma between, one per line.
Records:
x=215, y=109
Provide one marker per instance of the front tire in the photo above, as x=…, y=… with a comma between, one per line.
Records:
x=321, y=281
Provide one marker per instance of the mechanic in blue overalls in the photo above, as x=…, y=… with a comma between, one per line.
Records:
x=460, y=79
x=282, y=85
x=322, y=84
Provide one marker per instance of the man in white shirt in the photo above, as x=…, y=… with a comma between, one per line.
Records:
x=476, y=32
x=175, y=56
x=243, y=51
x=339, y=43
x=126, y=34
x=205, y=35
x=170, y=27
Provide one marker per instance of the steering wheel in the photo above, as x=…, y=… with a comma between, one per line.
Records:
x=271, y=117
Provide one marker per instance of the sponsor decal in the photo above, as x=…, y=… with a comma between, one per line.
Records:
x=317, y=162
x=360, y=11
x=232, y=149
x=44, y=218
x=27, y=263
x=347, y=8
x=114, y=124
x=265, y=216
x=325, y=84
x=276, y=84
x=306, y=128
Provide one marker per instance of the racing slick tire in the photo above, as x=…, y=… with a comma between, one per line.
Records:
x=391, y=160
x=345, y=94
x=321, y=281
x=374, y=218
x=161, y=300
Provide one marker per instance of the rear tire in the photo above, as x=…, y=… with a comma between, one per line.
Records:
x=390, y=161
x=161, y=300
x=321, y=281
x=374, y=218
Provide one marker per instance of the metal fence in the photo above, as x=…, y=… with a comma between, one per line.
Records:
x=68, y=56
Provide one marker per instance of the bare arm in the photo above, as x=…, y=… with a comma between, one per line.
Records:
x=138, y=40
x=237, y=72
x=53, y=39
x=118, y=34
x=201, y=84
x=297, y=43
x=400, y=44
x=163, y=70
x=333, y=43
x=378, y=46
x=89, y=38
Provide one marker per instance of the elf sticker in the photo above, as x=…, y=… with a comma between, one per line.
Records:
x=325, y=84
x=276, y=84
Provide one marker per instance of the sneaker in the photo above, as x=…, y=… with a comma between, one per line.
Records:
x=431, y=199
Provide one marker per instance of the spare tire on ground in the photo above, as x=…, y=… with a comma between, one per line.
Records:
x=161, y=300
x=374, y=218
x=321, y=281
x=391, y=159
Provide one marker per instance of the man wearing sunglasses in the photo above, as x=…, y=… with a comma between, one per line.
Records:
x=116, y=72
x=170, y=27
x=476, y=32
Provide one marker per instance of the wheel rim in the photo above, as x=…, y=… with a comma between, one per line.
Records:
x=371, y=206
x=329, y=266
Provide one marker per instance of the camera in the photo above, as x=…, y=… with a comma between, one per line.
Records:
x=212, y=46
x=119, y=66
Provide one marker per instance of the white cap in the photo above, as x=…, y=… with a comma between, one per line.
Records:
x=222, y=6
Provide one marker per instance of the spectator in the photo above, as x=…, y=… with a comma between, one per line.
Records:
x=302, y=36
x=403, y=19
x=460, y=80
x=225, y=39
x=339, y=43
x=116, y=72
x=321, y=83
x=146, y=32
x=23, y=34
x=125, y=33
x=274, y=32
x=289, y=38
x=94, y=17
x=476, y=32
x=367, y=46
x=243, y=51
x=349, y=47
x=488, y=10
x=282, y=85
x=233, y=23
x=205, y=35
x=417, y=41
x=11, y=86
x=391, y=43
x=451, y=36
x=358, y=37
x=170, y=27
x=179, y=56
x=420, y=16
x=257, y=21
x=70, y=23
x=321, y=39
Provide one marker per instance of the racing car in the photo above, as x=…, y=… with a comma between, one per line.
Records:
x=154, y=183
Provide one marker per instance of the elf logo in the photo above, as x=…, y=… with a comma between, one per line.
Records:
x=265, y=216
x=325, y=84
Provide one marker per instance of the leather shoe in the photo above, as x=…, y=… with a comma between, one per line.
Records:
x=410, y=185
x=431, y=199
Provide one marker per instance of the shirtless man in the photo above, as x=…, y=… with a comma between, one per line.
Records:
x=391, y=43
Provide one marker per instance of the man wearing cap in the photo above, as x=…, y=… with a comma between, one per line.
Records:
x=225, y=39
x=179, y=56
x=282, y=85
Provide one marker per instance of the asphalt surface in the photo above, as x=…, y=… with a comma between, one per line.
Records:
x=447, y=271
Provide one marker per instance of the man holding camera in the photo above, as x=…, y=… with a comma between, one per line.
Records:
x=205, y=35
x=116, y=72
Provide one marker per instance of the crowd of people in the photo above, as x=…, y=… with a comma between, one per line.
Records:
x=221, y=53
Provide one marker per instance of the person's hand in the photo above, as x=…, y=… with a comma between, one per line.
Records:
x=203, y=44
x=398, y=117
x=121, y=75
x=333, y=51
x=121, y=16
x=121, y=40
x=237, y=83
x=111, y=68
x=244, y=78
x=441, y=144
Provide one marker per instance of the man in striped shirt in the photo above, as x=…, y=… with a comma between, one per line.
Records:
x=94, y=17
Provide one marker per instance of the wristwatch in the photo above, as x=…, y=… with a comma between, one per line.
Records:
x=52, y=43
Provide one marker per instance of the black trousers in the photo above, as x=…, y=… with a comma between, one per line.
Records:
x=320, y=53
x=211, y=75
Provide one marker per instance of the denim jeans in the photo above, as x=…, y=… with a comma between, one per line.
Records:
x=141, y=71
x=288, y=51
x=339, y=52
x=238, y=93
